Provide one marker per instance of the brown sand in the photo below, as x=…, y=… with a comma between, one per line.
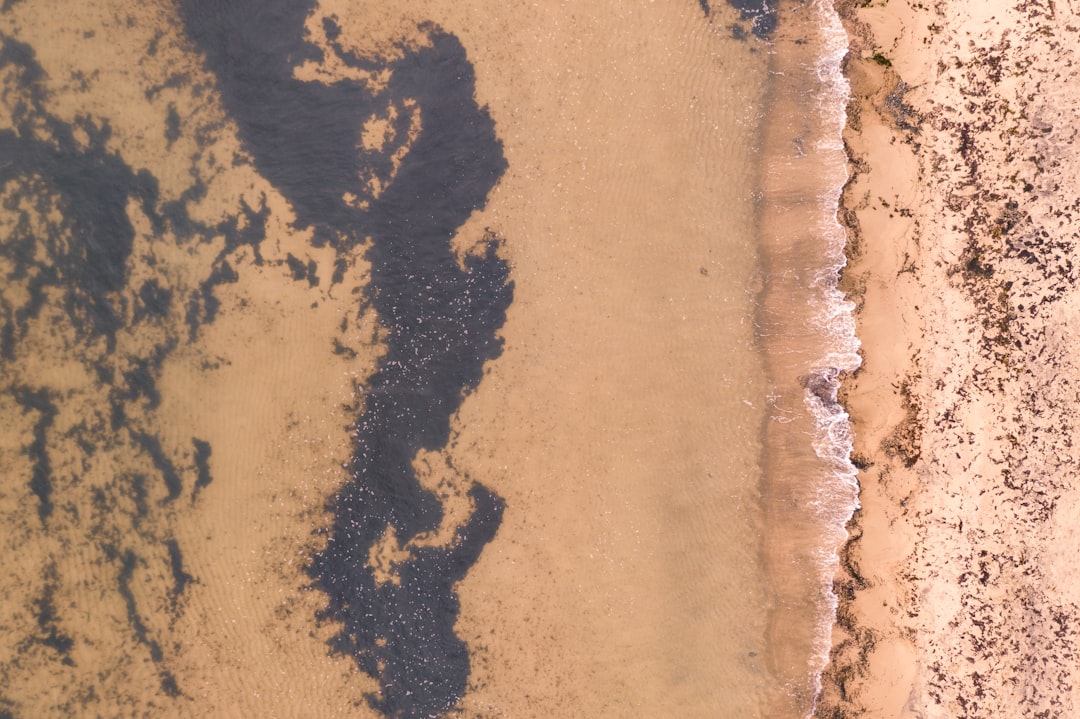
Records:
x=960, y=595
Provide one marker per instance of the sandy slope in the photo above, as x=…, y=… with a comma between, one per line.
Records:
x=961, y=592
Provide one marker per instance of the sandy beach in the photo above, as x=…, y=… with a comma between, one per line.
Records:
x=959, y=590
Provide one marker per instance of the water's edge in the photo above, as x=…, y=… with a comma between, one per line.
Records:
x=807, y=333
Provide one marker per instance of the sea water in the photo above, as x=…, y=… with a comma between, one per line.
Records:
x=444, y=359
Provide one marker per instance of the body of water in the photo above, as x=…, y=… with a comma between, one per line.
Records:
x=436, y=360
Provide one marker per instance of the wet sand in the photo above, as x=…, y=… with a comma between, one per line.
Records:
x=959, y=594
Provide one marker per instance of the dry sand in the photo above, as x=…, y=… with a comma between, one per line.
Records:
x=961, y=594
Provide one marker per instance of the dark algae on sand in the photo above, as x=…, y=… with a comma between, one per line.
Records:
x=67, y=246
x=90, y=289
x=761, y=14
x=440, y=315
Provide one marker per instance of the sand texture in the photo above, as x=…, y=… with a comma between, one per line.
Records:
x=960, y=589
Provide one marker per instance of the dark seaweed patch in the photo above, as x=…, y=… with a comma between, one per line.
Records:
x=296, y=267
x=223, y=273
x=251, y=235
x=340, y=266
x=68, y=245
x=152, y=47
x=140, y=382
x=45, y=608
x=760, y=13
x=343, y=350
x=152, y=446
x=331, y=29
x=7, y=337
x=172, y=125
x=155, y=301
x=175, y=212
x=301, y=135
x=41, y=474
x=441, y=318
x=202, y=466
x=172, y=82
x=88, y=249
x=176, y=565
x=128, y=562
x=138, y=495
x=85, y=254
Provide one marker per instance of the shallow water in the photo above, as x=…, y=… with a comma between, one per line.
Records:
x=437, y=360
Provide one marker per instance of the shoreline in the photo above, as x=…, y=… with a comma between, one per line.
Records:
x=958, y=594
x=806, y=336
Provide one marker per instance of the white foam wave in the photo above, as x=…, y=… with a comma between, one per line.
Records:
x=836, y=497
